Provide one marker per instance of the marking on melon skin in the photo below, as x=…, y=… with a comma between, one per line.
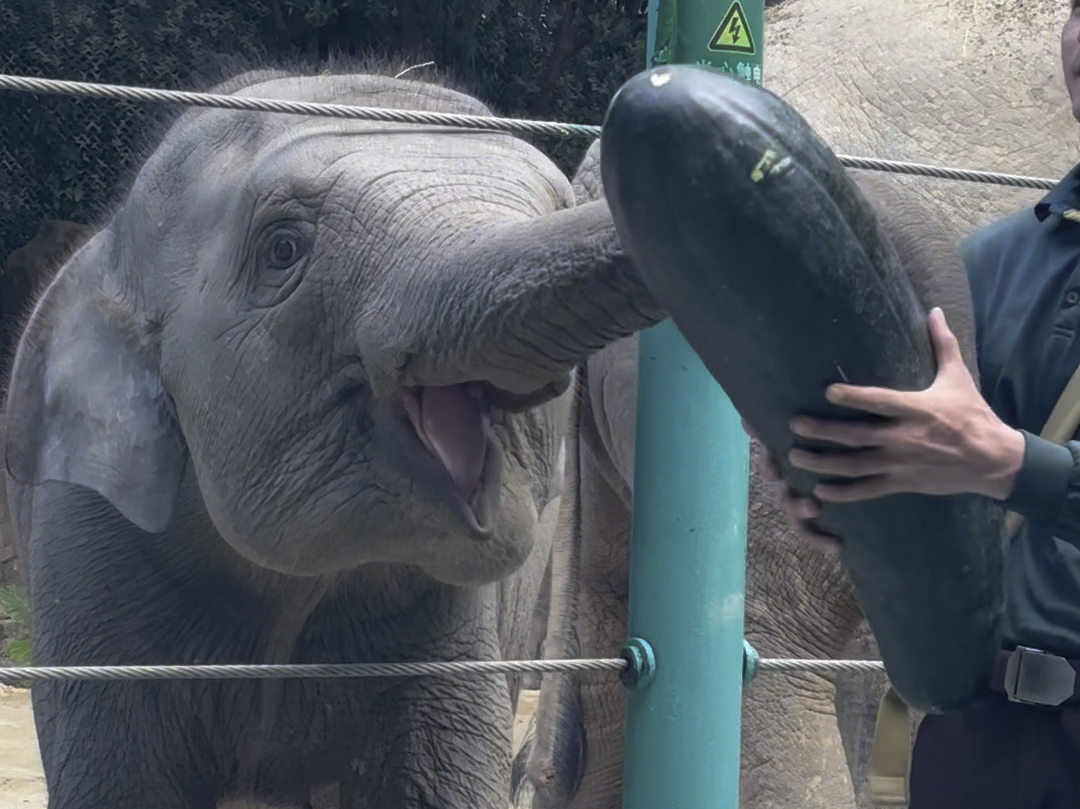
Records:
x=770, y=164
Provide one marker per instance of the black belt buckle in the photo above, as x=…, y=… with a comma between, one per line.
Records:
x=1035, y=677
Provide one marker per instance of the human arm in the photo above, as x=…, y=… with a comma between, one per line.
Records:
x=944, y=440
x=940, y=441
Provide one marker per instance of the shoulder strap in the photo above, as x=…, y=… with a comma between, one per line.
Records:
x=890, y=753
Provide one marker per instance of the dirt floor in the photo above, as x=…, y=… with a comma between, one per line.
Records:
x=22, y=786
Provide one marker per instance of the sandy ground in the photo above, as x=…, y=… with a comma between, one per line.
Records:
x=22, y=786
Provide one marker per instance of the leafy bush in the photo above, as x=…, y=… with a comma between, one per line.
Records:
x=14, y=602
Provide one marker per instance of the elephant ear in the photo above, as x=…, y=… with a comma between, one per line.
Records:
x=86, y=403
x=587, y=184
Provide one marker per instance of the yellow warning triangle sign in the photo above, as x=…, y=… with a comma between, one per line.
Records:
x=733, y=34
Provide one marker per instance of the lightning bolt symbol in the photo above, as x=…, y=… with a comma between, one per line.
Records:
x=735, y=30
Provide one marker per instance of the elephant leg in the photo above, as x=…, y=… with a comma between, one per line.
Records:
x=578, y=764
x=442, y=743
x=575, y=757
x=799, y=604
x=602, y=712
x=128, y=730
x=524, y=601
x=598, y=701
x=537, y=630
x=792, y=754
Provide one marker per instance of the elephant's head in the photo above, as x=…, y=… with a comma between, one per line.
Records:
x=355, y=334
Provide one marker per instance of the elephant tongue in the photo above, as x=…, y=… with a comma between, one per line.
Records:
x=451, y=426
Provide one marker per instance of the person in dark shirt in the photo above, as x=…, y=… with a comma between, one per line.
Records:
x=1010, y=750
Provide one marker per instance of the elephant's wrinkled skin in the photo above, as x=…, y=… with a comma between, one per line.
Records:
x=300, y=400
x=950, y=82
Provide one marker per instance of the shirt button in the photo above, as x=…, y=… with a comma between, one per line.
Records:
x=1072, y=297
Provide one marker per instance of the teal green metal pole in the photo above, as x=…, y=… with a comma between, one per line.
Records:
x=688, y=548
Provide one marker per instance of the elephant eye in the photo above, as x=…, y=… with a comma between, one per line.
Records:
x=284, y=248
x=280, y=261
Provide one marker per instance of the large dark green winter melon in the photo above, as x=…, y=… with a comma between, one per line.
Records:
x=777, y=272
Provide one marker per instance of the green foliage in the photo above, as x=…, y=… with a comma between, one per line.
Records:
x=65, y=158
x=14, y=602
x=18, y=650
x=16, y=605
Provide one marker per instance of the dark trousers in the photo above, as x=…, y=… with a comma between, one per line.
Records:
x=996, y=754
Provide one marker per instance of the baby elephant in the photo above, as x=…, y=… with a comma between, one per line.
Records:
x=302, y=400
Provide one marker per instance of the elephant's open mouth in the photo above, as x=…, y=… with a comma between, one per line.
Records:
x=452, y=423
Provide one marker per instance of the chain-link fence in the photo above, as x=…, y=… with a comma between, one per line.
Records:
x=63, y=158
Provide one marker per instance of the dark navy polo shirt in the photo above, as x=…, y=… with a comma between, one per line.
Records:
x=1025, y=284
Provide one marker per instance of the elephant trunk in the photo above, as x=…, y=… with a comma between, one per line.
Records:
x=521, y=304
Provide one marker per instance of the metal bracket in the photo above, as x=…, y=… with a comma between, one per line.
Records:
x=749, y=662
x=639, y=654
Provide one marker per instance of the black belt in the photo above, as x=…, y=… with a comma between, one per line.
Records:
x=1034, y=677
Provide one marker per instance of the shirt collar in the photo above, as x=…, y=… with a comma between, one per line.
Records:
x=1063, y=197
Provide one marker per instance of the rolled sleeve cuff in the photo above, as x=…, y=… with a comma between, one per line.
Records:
x=1043, y=480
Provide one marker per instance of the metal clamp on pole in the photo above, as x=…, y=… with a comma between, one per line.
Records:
x=749, y=663
x=642, y=664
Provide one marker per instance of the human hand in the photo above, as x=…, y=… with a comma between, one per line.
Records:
x=940, y=441
x=800, y=511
